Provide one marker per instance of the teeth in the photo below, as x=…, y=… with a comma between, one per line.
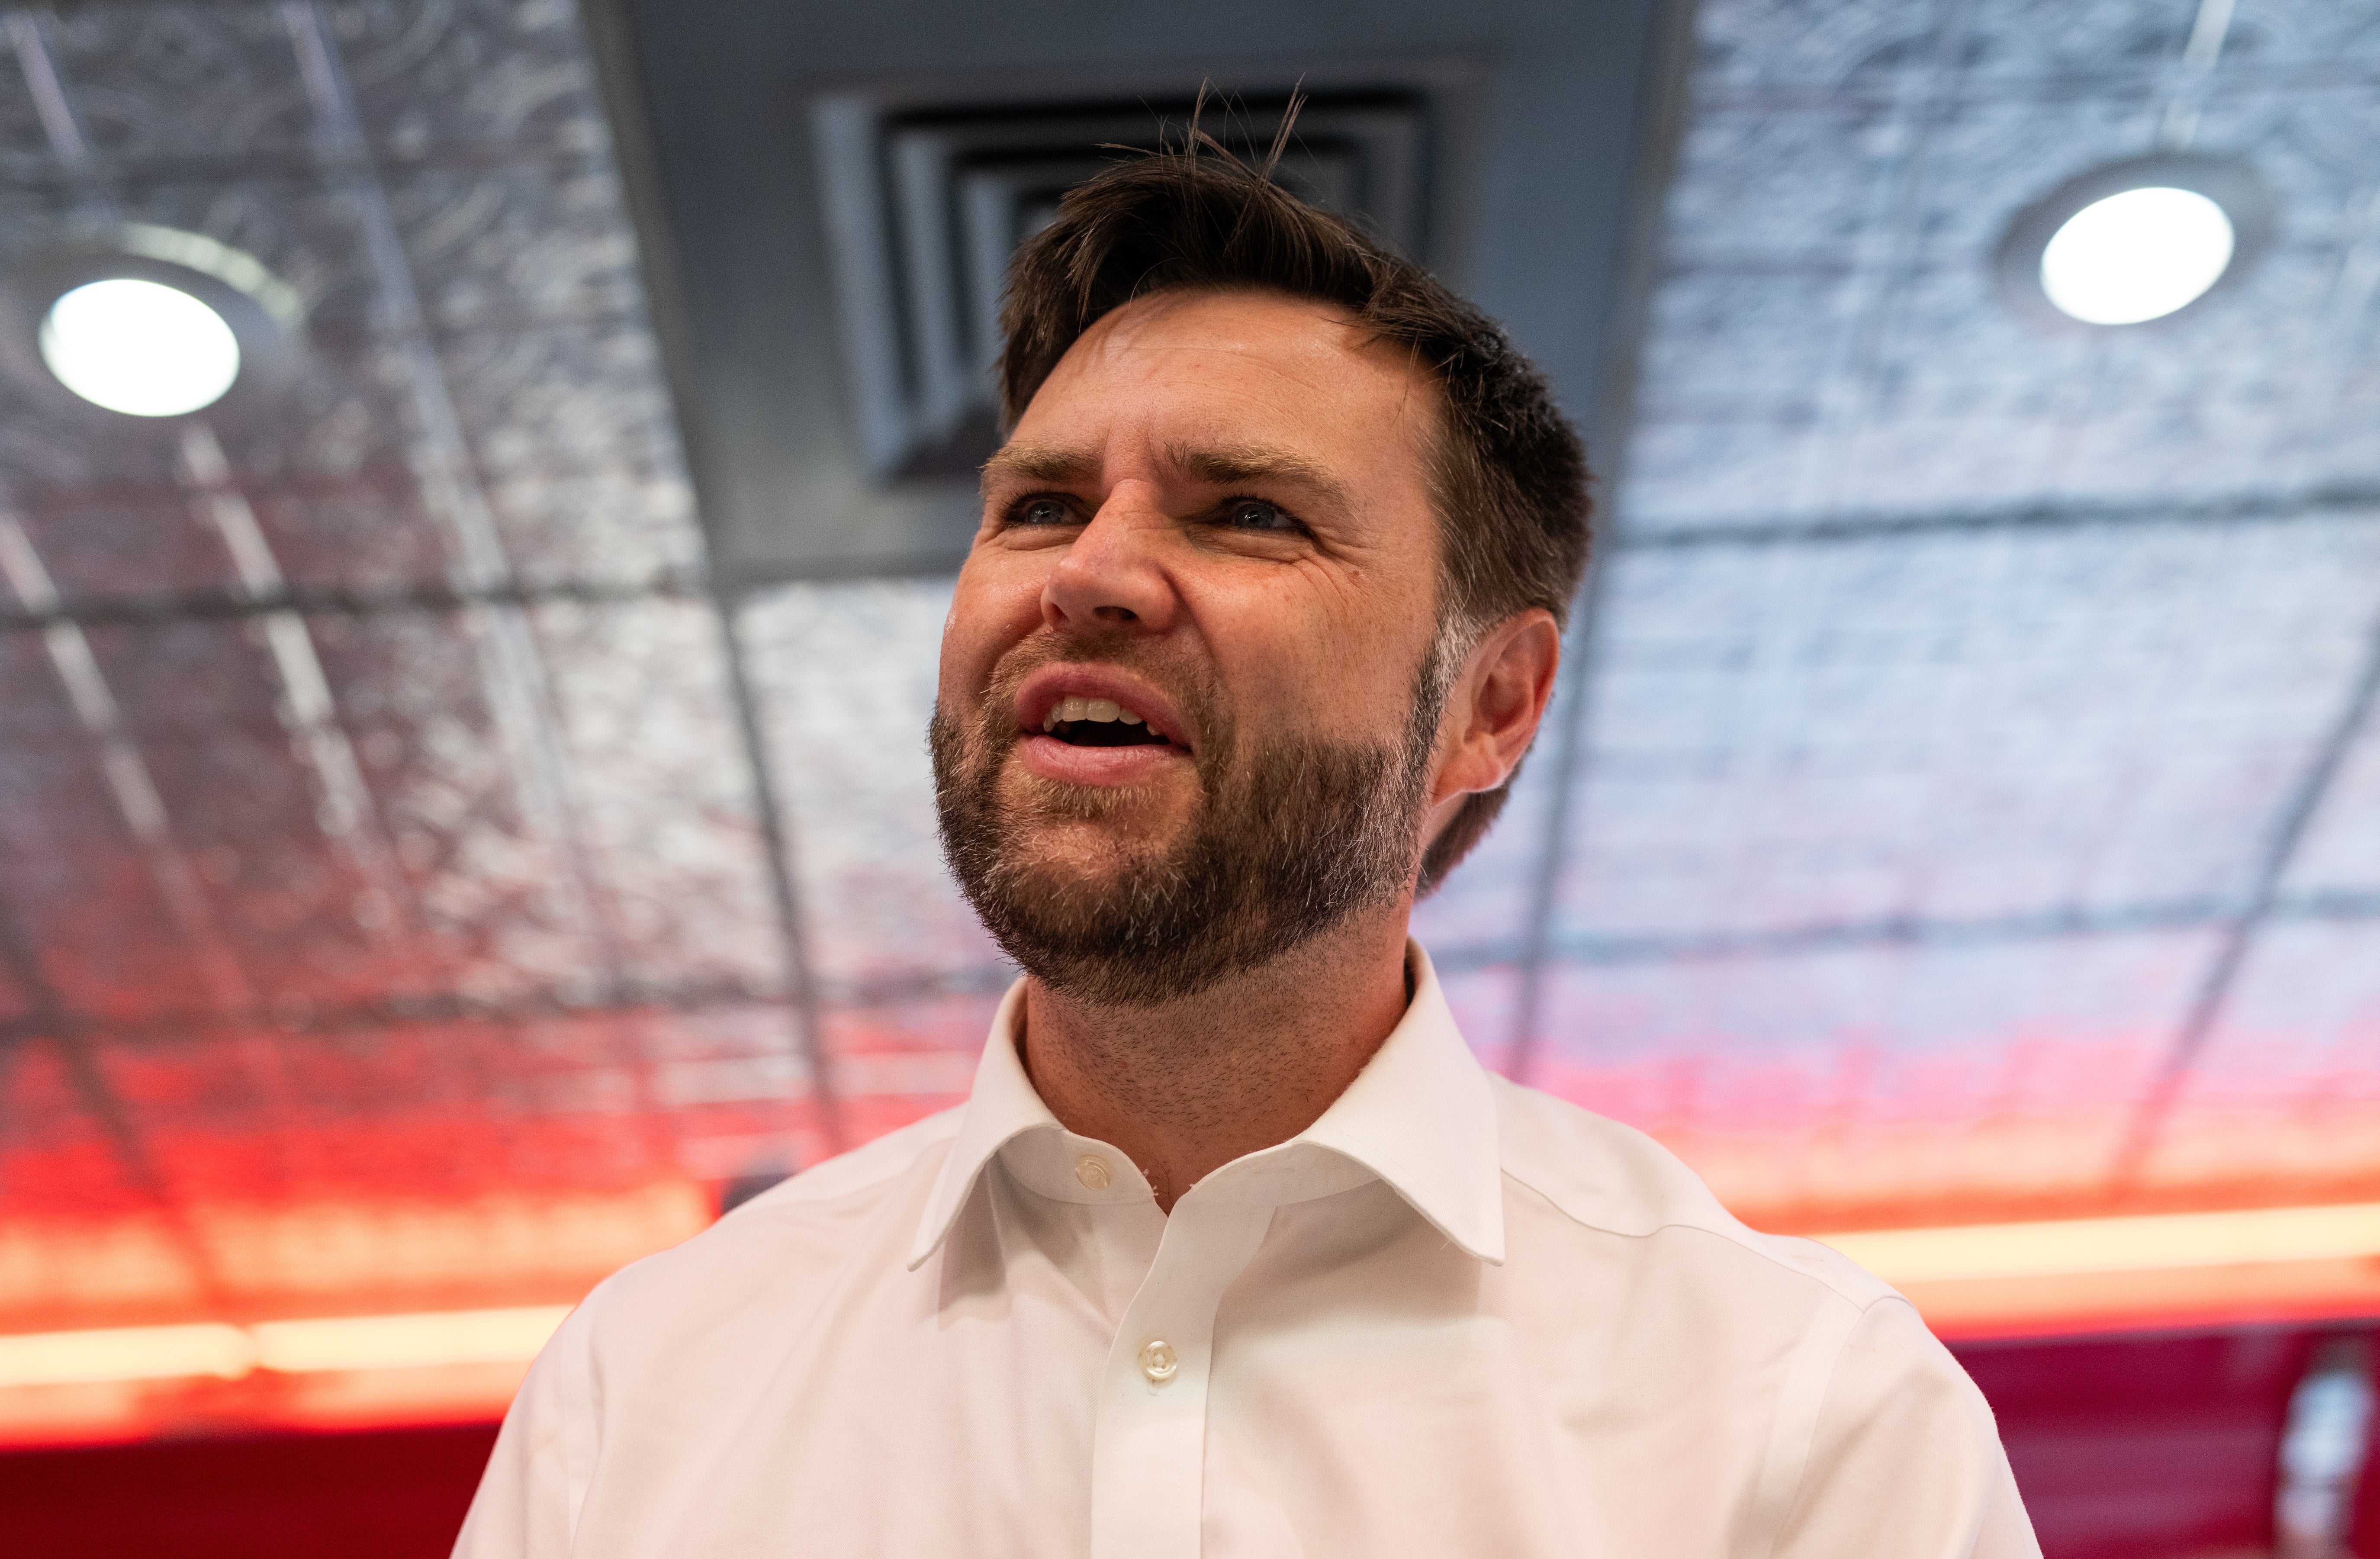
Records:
x=1103, y=710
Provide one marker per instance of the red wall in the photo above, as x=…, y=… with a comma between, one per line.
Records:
x=390, y=1494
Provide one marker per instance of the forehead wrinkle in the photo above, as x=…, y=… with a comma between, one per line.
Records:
x=1229, y=465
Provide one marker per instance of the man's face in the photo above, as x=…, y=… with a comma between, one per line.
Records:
x=1188, y=693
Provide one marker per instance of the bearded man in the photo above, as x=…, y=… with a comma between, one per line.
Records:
x=1234, y=1249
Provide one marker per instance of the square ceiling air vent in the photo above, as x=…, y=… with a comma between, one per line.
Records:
x=925, y=204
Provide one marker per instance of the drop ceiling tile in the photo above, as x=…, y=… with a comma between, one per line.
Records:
x=346, y=416
x=184, y=679
x=344, y=423
x=1772, y=185
x=1892, y=1073
x=290, y=904
x=2310, y=142
x=15, y=1002
x=523, y=243
x=2110, y=454
x=2287, y=1087
x=142, y=546
x=845, y=678
x=309, y=904
x=2008, y=722
x=84, y=894
x=1915, y=386
x=46, y=442
x=2034, y=42
x=1733, y=472
x=1749, y=46
x=57, y=1156
x=33, y=707
x=575, y=403
x=367, y=534
x=1952, y=347
x=24, y=145
x=1743, y=345
x=174, y=81
x=895, y=1062
x=2297, y=33
x=2340, y=856
x=1972, y=164
x=627, y=523
x=478, y=71
x=438, y=1109
x=2247, y=344
x=493, y=912
x=660, y=793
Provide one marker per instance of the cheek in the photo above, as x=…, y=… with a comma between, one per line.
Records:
x=1348, y=676
x=992, y=608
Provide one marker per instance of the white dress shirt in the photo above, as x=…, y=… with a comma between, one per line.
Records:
x=1452, y=1317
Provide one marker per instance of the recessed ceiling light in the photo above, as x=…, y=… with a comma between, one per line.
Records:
x=139, y=347
x=2134, y=241
x=2138, y=255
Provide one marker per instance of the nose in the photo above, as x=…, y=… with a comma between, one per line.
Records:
x=1111, y=577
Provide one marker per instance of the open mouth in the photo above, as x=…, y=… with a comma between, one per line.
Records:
x=1099, y=723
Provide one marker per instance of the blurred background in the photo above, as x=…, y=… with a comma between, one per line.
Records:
x=480, y=484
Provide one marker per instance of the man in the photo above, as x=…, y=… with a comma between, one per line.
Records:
x=1234, y=1249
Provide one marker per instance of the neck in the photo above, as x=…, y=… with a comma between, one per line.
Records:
x=1185, y=1087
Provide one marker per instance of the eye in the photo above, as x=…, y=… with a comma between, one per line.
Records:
x=1255, y=514
x=1042, y=510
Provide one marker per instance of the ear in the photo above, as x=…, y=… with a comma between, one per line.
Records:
x=1493, y=710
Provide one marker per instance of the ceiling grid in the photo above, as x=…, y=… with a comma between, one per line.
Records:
x=1854, y=685
x=1964, y=780
x=279, y=657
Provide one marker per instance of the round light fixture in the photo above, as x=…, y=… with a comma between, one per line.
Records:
x=2136, y=256
x=152, y=322
x=2135, y=241
x=139, y=347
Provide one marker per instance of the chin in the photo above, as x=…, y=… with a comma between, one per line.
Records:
x=1119, y=812
x=1086, y=862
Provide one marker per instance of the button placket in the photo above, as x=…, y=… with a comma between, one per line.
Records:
x=1148, y=1446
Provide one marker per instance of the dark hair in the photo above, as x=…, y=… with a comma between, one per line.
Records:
x=1509, y=474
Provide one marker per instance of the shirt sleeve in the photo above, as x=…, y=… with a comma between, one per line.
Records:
x=527, y=1506
x=1904, y=1458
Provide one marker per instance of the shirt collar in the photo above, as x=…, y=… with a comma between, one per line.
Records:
x=1419, y=1116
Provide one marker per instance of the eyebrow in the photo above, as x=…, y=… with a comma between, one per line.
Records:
x=1039, y=462
x=1231, y=465
x=1217, y=466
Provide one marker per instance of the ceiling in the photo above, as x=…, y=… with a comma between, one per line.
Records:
x=1963, y=801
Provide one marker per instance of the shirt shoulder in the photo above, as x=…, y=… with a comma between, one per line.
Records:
x=859, y=1207
x=1606, y=1177
x=891, y=1157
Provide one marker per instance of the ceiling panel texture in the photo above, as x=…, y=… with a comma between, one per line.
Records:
x=456, y=813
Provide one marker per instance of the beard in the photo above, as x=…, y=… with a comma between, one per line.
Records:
x=1281, y=846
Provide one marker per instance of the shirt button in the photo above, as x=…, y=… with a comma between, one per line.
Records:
x=1158, y=1361
x=1093, y=1172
